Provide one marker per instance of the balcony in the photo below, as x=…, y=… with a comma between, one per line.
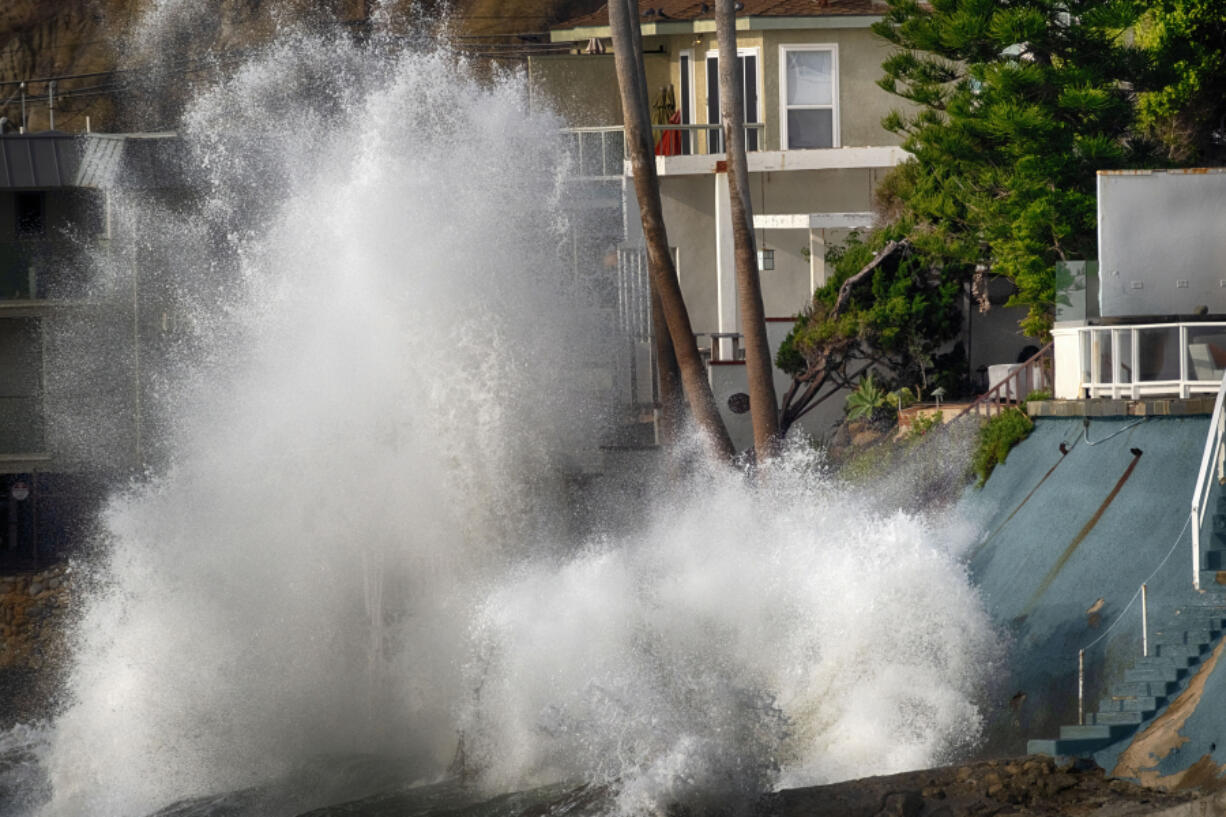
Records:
x=1139, y=360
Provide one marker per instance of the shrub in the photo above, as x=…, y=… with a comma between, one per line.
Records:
x=902, y=398
x=1038, y=394
x=996, y=437
x=923, y=423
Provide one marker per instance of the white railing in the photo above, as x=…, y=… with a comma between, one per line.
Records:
x=601, y=151
x=1212, y=462
x=1142, y=360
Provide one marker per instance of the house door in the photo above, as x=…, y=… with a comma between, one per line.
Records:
x=747, y=62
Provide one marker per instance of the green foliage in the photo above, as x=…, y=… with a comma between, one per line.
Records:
x=1038, y=394
x=996, y=437
x=902, y=398
x=866, y=400
x=923, y=423
x=899, y=317
x=1186, y=105
x=1017, y=106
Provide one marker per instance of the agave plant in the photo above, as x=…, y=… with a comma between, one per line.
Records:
x=868, y=397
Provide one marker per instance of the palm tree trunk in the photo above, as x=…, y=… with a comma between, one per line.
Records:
x=631, y=78
x=763, y=406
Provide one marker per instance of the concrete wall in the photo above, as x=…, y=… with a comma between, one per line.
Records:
x=1161, y=243
x=1061, y=557
x=862, y=104
x=583, y=87
x=689, y=216
x=728, y=379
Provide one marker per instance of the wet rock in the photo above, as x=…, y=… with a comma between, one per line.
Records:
x=902, y=804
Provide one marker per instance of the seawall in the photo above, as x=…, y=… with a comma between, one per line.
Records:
x=1068, y=538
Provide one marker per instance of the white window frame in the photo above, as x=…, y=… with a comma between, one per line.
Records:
x=836, y=136
x=760, y=113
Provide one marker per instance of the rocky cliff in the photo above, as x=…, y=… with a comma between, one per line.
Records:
x=107, y=52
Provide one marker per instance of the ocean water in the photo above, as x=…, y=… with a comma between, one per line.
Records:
x=354, y=565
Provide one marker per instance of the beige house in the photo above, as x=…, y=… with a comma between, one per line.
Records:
x=817, y=152
x=817, y=148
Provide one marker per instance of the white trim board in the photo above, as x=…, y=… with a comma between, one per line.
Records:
x=813, y=221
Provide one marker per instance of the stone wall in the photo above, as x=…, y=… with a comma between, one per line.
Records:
x=34, y=614
x=33, y=607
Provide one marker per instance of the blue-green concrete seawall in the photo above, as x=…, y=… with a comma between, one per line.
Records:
x=1068, y=538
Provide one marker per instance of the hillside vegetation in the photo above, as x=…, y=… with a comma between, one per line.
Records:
x=104, y=57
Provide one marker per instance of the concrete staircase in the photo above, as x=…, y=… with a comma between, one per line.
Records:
x=1213, y=559
x=1147, y=687
x=1175, y=652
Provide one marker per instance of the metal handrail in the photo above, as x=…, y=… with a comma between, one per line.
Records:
x=992, y=397
x=1213, y=450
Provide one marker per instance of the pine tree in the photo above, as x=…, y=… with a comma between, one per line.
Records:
x=1015, y=107
x=1185, y=107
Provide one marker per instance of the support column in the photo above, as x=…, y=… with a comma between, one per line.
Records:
x=725, y=265
x=817, y=258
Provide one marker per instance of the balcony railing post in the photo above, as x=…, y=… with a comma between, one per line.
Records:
x=1135, y=363
x=1185, y=390
x=1117, y=367
x=1096, y=362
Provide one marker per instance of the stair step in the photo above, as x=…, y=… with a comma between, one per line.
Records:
x=1142, y=703
x=1176, y=661
x=1192, y=651
x=1215, y=621
x=1192, y=636
x=1212, y=580
x=1058, y=748
x=1095, y=731
x=1143, y=689
x=1132, y=718
x=1215, y=557
x=1152, y=674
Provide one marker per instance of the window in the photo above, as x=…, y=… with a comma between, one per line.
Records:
x=809, y=109
x=29, y=207
x=748, y=63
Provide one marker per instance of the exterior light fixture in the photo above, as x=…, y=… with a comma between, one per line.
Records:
x=766, y=259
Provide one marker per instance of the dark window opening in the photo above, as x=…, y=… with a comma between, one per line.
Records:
x=686, y=80
x=30, y=221
x=748, y=64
